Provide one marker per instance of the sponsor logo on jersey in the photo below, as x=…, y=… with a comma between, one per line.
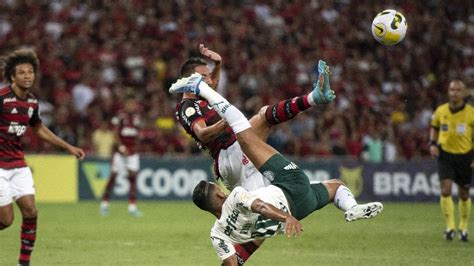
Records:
x=245, y=160
x=16, y=129
x=222, y=244
x=231, y=222
x=14, y=111
x=198, y=108
x=291, y=166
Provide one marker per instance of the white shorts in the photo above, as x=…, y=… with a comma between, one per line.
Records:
x=237, y=170
x=121, y=163
x=15, y=183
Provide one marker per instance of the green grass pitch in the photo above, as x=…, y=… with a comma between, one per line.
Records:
x=177, y=233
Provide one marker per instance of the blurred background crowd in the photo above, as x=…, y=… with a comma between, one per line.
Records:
x=94, y=53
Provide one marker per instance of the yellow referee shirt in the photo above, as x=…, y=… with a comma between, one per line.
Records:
x=455, y=130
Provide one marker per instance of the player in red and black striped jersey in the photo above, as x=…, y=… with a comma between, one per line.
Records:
x=213, y=134
x=19, y=109
x=127, y=124
x=200, y=121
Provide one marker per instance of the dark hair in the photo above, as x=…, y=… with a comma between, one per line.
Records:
x=187, y=68
x=201, y=195
x=21, y=56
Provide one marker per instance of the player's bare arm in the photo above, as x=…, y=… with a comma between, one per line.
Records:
x=44, y=133
x=217, y=59
x=293, y=227
x=207, y=133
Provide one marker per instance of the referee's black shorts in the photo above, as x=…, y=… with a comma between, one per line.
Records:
x=456, y=167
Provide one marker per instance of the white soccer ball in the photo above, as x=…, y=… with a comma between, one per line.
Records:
x=389, y=27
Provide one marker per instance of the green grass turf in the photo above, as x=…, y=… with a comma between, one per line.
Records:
x=177, y=233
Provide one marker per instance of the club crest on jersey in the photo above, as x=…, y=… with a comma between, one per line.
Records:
x=30, y=112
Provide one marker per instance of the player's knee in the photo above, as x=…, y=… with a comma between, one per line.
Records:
x=332, y=185
x=335, y=183
x=29, y=212
x=6, y=222
x=262, y=111
x=259, y=119
x=464, y=194
x=445, y=192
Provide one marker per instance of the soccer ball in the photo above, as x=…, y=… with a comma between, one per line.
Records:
x=389, y=27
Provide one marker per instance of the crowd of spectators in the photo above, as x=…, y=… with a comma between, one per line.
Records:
x=94, y=53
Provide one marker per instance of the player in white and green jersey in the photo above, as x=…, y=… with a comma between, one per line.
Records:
x=244, y=216
x=238, y=224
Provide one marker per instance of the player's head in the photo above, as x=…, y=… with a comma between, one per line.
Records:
x=205, y=196
x=456, y=91
x=196, y=64
x=20, y=67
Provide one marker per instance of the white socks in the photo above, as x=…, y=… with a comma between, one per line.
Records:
x=132, y=207
x=311, y=99
x=236, y=120
x=344, y=199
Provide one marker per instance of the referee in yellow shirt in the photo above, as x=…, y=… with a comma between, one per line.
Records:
x=451, y=141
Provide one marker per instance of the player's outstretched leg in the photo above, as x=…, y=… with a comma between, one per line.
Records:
x=256, y=150
x=363, y=211
x=344, y=200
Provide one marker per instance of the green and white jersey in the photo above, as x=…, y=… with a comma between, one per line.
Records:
x=238, y=224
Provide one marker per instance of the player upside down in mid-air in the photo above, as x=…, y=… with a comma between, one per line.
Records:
x=244, y=215
x=211, y=132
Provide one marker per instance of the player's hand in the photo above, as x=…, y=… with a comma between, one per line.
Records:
x=78, y=152
x=293, y=227
x=209, y=53
x=434, y=151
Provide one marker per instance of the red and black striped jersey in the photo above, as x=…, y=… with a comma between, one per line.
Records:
x=189, y=111
x=16, y=114
x=128, y=129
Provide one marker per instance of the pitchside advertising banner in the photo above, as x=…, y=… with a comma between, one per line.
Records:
x=55, y=176
x=175, y=178
x=61, y=178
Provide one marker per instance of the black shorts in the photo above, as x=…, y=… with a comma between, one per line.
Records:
x=303, y=197
x=456, y=167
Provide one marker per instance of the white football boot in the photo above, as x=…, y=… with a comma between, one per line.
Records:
x=363, y=211
x=188, y=84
